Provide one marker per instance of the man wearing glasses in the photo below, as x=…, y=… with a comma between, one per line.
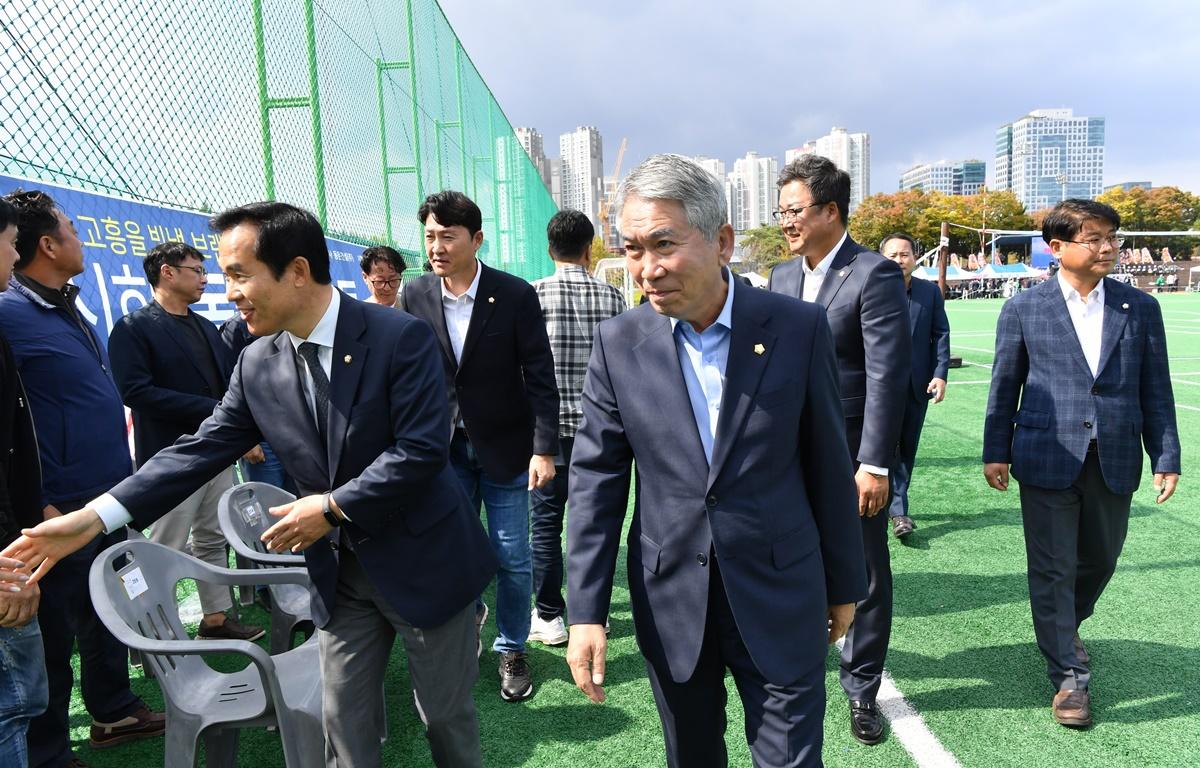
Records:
x=863, y=295
x=1080, y=383
x=172, y=369
x=382, y=268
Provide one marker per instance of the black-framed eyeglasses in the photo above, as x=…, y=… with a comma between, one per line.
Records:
x=198, y=270
x=787, y=214
x=1095, y=245
x=391, y=283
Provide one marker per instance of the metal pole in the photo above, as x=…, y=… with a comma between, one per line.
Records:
x=462, y=130
x=260, y=60
x=412, y=91
x=943, y=257
x=310, y=35
x=387, y=179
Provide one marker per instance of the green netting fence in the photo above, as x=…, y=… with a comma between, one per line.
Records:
x=354, y=109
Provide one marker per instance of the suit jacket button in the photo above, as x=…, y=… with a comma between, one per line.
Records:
x=1095, y=390
x=711, y=500
x=702, y=559
x=1087, y=425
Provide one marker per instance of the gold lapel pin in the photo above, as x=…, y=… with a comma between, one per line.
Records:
x=759, y=349
x=347, y=359
x=842, y=273
x=491, y=299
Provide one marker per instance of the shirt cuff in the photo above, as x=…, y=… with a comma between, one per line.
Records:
x=112, y=513
x=874, y=470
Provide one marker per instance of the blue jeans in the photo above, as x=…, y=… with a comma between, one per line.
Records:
x=507, y=505
x=23, y=689
x=547, y=508
x=269, y=471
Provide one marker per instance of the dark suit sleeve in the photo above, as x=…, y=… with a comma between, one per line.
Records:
x=599, y=483
x=537, y=365
x=420, y=423
x=887, y=349
x=1160, y=434
x=174, y=473
x=830, y=481
x=940, y=337
x=130, y=352
x=1009, y=369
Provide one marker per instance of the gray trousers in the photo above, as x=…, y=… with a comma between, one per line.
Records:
x=197, y=515
x=1073, y=538
x=355, y=646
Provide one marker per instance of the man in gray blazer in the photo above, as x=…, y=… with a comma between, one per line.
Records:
x=863, y=295
x=1080, y=383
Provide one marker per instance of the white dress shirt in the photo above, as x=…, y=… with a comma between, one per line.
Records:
x=114, y=514
x=457, y=310
x=814, y=277
x=1087, y=315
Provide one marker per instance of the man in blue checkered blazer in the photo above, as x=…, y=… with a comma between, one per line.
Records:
x=1080, y=385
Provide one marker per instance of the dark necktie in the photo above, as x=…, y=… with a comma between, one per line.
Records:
x=308, y=351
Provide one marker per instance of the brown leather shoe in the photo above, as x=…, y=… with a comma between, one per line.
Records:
x=142, y=724
x=1073, y=708
x=1080, y=651
x=902, y=525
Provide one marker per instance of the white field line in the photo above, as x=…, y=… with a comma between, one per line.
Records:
x=909, y=727
x=1185, y=381
x=977, y=365
x=1186, y=373
x=973, y=349
x=956, y=382
x=1180, y=330
x=1187, y=407
x=959, y=335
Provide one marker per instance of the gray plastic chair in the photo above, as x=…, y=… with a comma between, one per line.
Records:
x=242, y=514
x=133, y=589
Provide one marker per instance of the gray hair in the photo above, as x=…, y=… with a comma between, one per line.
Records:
x=675, y=177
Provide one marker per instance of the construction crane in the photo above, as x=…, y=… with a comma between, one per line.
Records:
x=606, y=234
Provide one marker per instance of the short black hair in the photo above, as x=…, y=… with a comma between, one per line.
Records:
x=383, y=253
x=452, y=209
x=899, y=236
x=171, y=253
x=37, y=216
x=9, y=215
x=826, y=182
x=285, y=232
x=1064, y=220
x=570, y=234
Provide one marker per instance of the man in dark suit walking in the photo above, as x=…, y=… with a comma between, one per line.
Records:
x=744, y=540
x=930, y=366
x=503, y=404
x=1080, y=384
x=863, y=295
x=341, y=390
x=171, y=369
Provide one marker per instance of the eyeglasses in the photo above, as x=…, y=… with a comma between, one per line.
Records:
x=1095, y=245
x=198, y=270
x=787, y=214
x=392, y=283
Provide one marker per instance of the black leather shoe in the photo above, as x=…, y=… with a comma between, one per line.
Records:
x=865, y=723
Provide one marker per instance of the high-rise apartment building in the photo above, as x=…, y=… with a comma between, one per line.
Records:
x=712, y=165
x=965, y=178
x=582, y=156
x=1050, y=155
x=531, y=142
x=851, y=152
x=750, y=191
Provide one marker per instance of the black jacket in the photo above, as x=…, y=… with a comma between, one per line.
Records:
x=20, y=467
x=505, y=386
x=159, y=379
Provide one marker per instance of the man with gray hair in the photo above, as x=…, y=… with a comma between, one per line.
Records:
x=745, y=553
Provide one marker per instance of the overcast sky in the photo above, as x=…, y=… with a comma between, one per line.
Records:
x=927, y=80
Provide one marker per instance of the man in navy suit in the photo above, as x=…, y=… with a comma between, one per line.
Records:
x=171, y=369
x=863, y=296
x=930, y=365
x=744, y=541
x=1080, y=384
x=341, y=391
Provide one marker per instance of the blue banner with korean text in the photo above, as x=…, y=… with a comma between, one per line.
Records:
x=116, y=235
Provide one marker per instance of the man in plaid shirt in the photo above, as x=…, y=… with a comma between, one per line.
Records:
x=573, y=303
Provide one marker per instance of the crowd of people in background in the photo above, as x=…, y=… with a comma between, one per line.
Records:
x=760, y=432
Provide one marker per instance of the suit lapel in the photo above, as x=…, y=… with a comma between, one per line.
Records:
x=1062, y=317
x=839, y=270
x=431, y=287
x=481, y=311
x=1116, y=313
x=349, y=358
x=658, y=353
x=289, y=392
x=743, y=373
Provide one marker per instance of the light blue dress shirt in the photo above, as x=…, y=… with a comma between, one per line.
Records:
x=703, y=357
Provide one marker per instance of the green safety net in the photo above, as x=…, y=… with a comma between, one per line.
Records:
x=353, y=109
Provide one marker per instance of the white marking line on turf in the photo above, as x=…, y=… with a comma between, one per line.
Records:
x=977, y=365
x=956, y=382
x=1187, y=407
x=1185, y=381
x=973, y=349
x=908, y=726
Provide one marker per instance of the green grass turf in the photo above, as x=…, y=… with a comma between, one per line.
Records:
x=962, y=645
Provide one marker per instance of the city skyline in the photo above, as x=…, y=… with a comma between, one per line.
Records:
x=956, y=73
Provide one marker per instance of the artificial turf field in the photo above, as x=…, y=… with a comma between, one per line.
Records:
x=962, y=648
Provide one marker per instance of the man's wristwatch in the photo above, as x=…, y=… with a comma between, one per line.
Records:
x=326, y=510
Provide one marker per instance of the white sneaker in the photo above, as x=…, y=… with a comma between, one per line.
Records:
x=553, y=632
